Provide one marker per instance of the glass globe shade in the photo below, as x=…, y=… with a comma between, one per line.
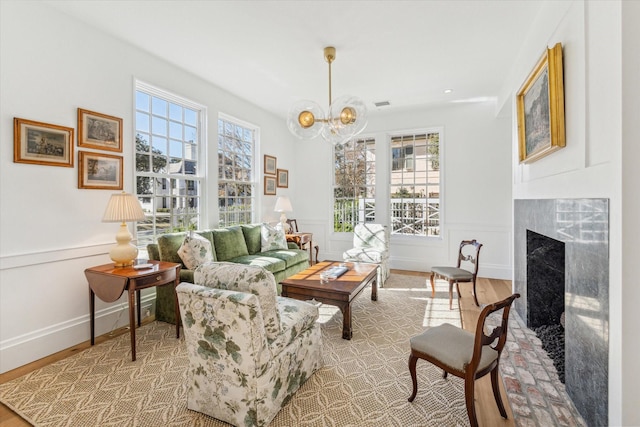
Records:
x=304, y=119
x=348, y=116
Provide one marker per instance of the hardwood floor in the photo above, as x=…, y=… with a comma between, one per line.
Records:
x=489, y=290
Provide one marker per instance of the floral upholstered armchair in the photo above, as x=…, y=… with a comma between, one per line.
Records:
x=371, y=244
x=249, y=350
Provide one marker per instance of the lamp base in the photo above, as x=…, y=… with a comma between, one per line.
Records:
x=283, y=222
x=124, y=253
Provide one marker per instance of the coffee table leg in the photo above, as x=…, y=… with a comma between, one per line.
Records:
x=347, y=333
x=374, y=289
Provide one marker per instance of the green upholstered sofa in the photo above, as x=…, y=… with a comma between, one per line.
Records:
x=238, y=244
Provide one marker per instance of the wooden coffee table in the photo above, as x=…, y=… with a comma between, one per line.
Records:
x=340, y=292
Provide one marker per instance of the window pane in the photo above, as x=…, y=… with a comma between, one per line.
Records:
x=159, y=126
x=142, y=122
x=142, y=101
x=175, y=130
x=175, y=112
x=159, y=106
x=190, y=117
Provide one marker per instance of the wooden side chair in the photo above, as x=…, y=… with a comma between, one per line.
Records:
x=458, y=274
x=464, y=354
x=294, y=229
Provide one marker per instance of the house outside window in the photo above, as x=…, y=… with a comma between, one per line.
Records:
x=236, y=164
x=354, y=184
x=415, y=183
x=168, y=150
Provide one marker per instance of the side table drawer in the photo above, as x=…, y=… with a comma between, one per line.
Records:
x=154, y=279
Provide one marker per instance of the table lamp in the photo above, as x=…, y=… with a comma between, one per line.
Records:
x=283, y=204
x=123, y=207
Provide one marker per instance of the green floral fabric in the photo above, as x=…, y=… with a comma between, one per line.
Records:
x=272, y=238
x=195, y=250
x=236, y=373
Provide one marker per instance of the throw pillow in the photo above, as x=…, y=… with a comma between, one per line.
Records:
x=272, y=238
x=195, y=250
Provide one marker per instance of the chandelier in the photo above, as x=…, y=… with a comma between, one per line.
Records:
x=347, y=115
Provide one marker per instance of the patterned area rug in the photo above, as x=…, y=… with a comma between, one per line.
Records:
x=365, y=381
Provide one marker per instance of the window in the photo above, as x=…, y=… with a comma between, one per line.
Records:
x=236, y=185
x=168, y=151
x=354, y=184
x=415, y=184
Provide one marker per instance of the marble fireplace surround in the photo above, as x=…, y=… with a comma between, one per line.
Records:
x=583, y=225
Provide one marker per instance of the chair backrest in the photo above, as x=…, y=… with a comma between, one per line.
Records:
x=469, y=251
x=371, y=236
x=498, y=333
x=293, y=224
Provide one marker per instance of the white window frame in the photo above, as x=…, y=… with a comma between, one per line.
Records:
x=254, y=172
x=441, y=195
x=200, y=159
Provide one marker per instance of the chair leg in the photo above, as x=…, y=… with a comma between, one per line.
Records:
x=475, y=297
x=496, y=392
x=414, y=379
x=450, y=294
x=317, y=248
x=469, y=383
x=433, y=286
x=458, y=289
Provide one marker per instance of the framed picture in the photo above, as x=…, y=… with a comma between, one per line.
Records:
x=99, y=171
x=269, y=185
x=96, y=130
x=42, y=143
x=283, y=178
x=269, y=165
x=540, y=104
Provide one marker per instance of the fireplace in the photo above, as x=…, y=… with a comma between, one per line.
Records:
x=545, y=295
x=579, y=228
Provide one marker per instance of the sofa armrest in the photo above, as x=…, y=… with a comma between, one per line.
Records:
x=223, y=329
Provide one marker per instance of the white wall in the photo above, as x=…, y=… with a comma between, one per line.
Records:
x=476, y=187
x=601, y=120
x=50, y=230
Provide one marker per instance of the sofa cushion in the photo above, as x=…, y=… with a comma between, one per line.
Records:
x=269, y=263
x=252, y=237
x=229, y=243
x=244, y=278
x=272, y=238
x=289, y=256
x=195, y=250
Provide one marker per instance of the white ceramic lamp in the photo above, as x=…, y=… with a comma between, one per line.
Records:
x=283, y=204
x=123, y=207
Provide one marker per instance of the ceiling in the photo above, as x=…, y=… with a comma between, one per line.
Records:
x=271, y=52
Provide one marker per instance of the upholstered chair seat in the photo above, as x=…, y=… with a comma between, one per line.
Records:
x=452, y=346
x=457, y=274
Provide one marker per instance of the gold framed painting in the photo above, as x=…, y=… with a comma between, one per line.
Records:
x=269, y=165
x=540, y=108
x=283, y=178
x=269, y=185
x=97, y=130
x=99, y=171
x=42, y=143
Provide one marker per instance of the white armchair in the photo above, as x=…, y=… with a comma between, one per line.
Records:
x=371, y=244
x=249, y=350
